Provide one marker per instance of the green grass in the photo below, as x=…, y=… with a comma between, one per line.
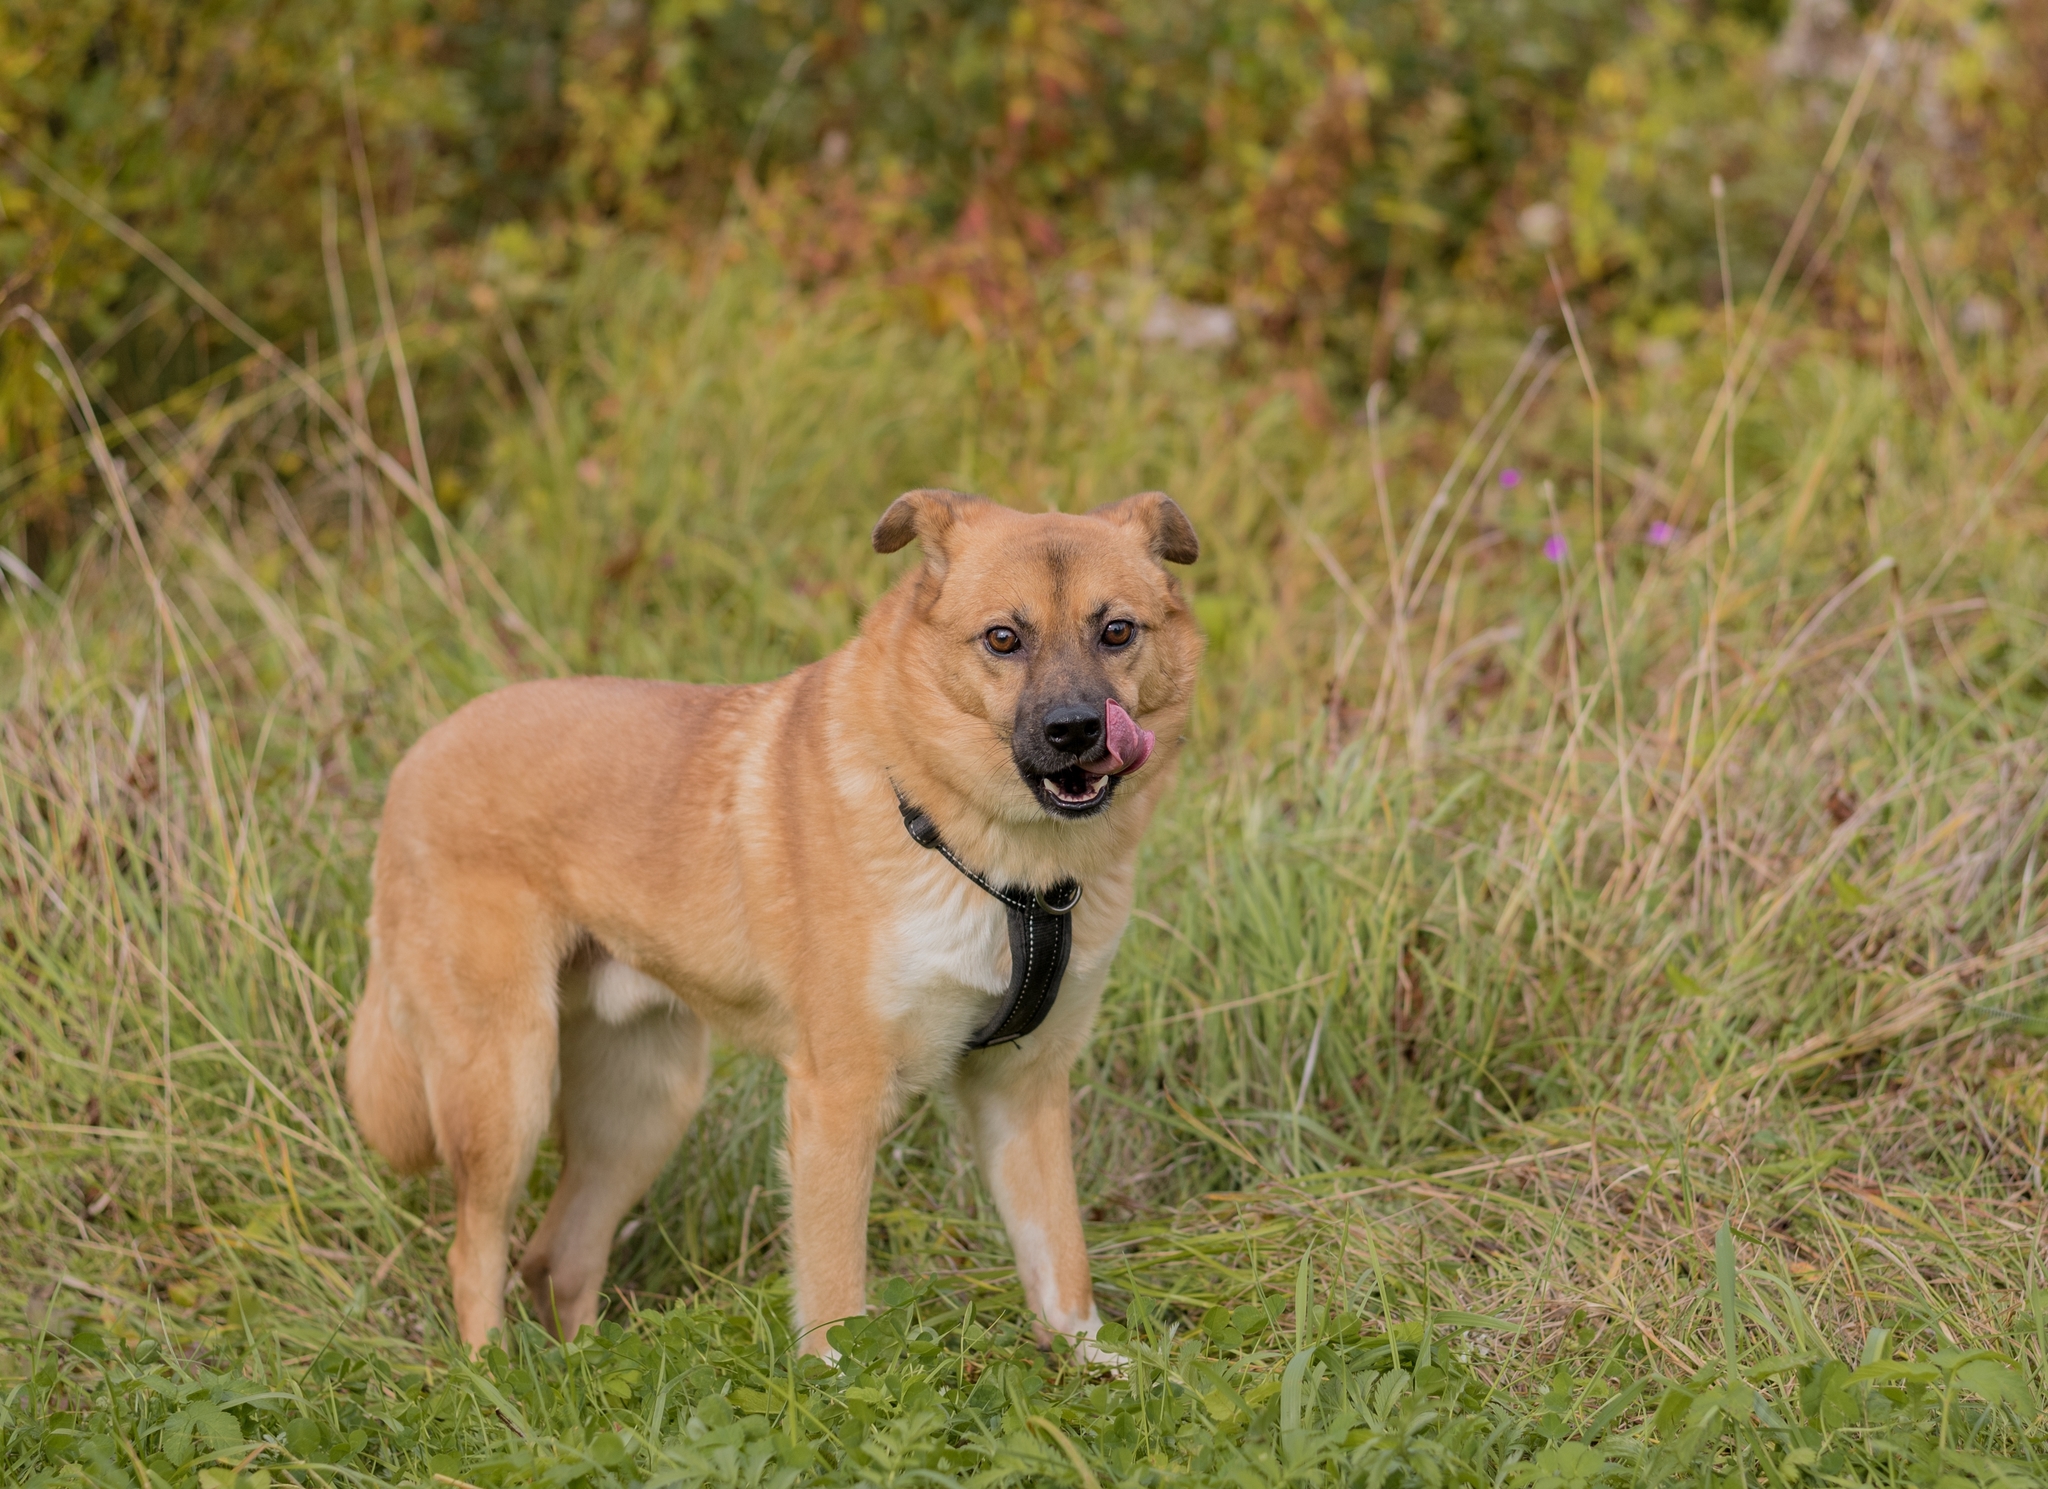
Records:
x=1584, y=1022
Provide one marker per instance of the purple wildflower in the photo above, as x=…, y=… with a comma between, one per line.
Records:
x=1511, y=478
x=1662, y=534
x=1555, y=548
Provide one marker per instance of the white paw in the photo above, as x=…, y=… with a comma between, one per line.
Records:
x=1092, y=1353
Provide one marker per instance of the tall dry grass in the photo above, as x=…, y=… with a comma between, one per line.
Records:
x=1615, y=817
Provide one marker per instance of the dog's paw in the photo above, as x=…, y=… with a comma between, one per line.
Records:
x=1101, y=1357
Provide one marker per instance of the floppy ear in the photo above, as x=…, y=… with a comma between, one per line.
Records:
x=1159, y=517
x=927, y=515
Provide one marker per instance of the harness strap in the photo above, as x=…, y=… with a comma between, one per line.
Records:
x=1041, y=936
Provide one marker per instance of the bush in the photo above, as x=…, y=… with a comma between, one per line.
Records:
x=1361, y=185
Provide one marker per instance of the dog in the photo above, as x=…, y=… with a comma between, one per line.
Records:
x=579, y=882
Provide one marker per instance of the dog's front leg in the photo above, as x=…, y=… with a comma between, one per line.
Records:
x=1017, y=1112
x=838, y=1107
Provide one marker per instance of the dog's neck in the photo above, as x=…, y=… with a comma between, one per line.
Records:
x=1017, y=842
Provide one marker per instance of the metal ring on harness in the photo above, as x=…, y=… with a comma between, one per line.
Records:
x=1044, y=902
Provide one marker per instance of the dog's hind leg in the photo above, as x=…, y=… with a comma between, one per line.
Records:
x=635, y=1061
x=481, y=972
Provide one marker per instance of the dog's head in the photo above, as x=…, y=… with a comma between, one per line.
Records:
x=1063, y=638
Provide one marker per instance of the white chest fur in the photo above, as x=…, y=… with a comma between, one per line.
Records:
x=944, y=968
x=945, y=960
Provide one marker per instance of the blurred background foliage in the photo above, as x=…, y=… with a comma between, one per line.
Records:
x=1347, y=189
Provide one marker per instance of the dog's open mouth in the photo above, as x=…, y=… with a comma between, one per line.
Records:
x=1076, y=789
x=1085, y=787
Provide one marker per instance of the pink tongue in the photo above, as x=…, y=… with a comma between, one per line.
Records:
x=1129, y=746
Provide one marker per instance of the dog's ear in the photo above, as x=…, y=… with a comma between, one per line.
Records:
x=927, y=515
x=1167, y=529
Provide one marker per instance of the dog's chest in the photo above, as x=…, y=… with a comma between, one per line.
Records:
x=944, y=961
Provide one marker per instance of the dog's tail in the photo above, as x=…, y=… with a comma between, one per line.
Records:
x=385, y=1085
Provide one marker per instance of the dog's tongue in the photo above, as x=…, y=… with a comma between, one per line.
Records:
x=1129, y=746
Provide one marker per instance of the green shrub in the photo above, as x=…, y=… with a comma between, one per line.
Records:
x=1355, y=181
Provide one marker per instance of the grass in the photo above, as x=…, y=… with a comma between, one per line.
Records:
x=1584, y=1024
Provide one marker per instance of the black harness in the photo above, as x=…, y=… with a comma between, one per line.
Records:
x=1041, y=935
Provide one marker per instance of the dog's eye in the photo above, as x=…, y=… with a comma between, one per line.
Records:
x=1118, y=633
x=1002, y=640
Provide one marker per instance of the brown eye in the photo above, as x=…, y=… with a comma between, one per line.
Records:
x=1118, y=633
x=1002, y=640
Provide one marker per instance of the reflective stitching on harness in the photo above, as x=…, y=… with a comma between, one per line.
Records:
x=1030, y=956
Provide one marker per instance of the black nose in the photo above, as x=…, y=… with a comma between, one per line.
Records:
x=1073, y=730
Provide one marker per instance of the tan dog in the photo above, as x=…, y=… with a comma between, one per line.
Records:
x=579, y=882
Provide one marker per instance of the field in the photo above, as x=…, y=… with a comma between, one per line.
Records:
x=1586, y=1021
